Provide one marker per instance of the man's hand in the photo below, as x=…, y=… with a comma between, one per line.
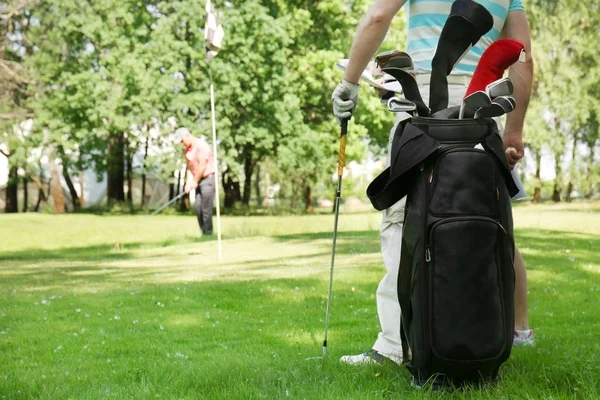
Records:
x=513, y=145
x=345, y=98
x=189, y=187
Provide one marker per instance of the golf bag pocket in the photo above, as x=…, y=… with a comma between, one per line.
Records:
x=465, y=265
x=459, y=176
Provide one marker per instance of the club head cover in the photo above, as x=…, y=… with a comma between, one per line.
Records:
x=410, y=88
x=493, y=62
x=467, y=22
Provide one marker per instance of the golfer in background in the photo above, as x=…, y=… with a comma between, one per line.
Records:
x=200, y=176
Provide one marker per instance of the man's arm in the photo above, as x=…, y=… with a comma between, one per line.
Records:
x=369, y=36
x=201, y=167
x=516, y=27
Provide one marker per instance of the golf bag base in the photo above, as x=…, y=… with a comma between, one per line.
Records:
x=444, y=382
x=456, y=276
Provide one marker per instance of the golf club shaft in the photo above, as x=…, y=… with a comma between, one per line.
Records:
x=338, y=195
x=180, y=195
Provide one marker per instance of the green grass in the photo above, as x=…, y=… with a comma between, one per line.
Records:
x=124, y=307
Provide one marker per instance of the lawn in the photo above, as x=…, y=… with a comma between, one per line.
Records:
x=126, y=307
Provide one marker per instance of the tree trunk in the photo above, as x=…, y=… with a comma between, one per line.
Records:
x=178, y=182
x=557, y=180
x=308, y=201
x=573, y=169
x=267, y=182
x=25, y=195
x=116, y=169
x=82, y=196
x=72, y=191
x=171, y=190
x=143, y=202
x=257, y=186
x=248, y=170
x=56, y=188
x=12, y=189
x=41, y=194
x=231, y=190
x=129, y=179
x=590, y=169
x=537, y=192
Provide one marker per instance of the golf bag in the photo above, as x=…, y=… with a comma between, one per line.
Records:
x=456, y=276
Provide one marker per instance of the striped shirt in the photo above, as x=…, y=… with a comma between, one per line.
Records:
x=426, y=18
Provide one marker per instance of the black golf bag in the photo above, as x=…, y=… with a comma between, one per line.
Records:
x=456, y=278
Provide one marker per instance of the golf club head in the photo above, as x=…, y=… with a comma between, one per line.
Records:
x=394, y=58
x=410, y=88
x=398, y=104
x=473, y=102
x=501, y=87
x=512, y=100
x=506, y=104
x=491, y=111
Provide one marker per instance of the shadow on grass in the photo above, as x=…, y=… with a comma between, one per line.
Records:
x=101, y=252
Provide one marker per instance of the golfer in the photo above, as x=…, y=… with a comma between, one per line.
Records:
x=200, y=176
x=426, y=19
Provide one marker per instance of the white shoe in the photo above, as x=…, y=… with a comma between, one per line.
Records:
x=370, y=357
x=524, y=338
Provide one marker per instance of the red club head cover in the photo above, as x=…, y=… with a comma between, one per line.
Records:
x=494, y=61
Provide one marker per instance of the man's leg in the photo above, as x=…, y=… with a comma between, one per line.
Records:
x=388, y=341
x=521, y=312
x=388, y=344
x=198, y=206
x=207, y=190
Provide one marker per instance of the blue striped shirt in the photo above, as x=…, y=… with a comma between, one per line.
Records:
x=426, y=18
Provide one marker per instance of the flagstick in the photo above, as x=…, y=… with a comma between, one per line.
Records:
x=214, y=134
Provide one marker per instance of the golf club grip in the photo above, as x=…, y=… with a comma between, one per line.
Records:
x=342, y=153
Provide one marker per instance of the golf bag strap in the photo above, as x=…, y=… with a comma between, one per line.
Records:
x=493, y=144
x=410, y=147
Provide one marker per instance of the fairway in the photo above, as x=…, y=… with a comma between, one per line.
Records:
x=130, y=307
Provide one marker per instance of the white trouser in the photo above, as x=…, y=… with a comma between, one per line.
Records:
x=388, y=341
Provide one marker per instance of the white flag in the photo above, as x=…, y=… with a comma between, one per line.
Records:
x=213, y=31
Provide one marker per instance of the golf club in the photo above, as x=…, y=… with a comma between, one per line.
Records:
x=491, y=111
x=467, y=22
x=398, y=104
x=397, y=63
x=180, y=195
x=410, y=88
x=501, y=87
x=512, y=100
x=395, y=58
x=505, y=103
x=338, y=194
x=473, y=102
x=500, y=55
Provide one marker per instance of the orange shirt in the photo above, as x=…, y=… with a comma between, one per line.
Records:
x=199, y=150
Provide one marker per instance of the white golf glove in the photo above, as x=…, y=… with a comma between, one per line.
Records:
x=345, y=98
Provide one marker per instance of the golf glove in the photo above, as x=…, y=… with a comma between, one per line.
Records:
x=345, y=98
